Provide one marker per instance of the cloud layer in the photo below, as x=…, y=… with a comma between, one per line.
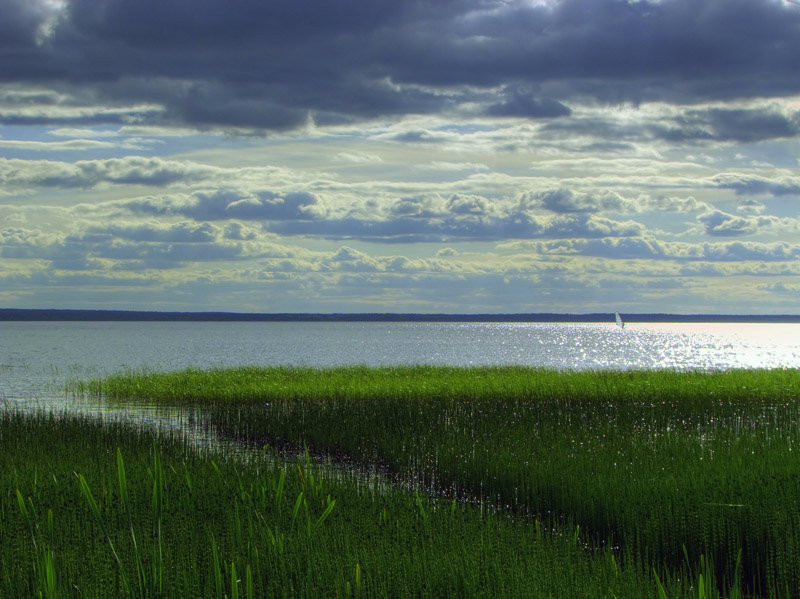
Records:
x=459, y=155
x=273, y=65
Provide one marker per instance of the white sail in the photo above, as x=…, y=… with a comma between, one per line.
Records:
x=620, y=323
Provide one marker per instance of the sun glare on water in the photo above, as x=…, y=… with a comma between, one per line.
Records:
x=735, y=345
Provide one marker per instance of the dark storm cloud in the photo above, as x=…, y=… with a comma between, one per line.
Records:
x=20, y=22
x=692, y=126
x=737, y=125
x=521, y=104
x=268, y=65
x=751, y=125
x=206, y=105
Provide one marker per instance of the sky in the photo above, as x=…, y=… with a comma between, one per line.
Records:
x=436, y=156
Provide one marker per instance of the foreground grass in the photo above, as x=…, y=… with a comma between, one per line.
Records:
x=675, y=467
x=92, y=509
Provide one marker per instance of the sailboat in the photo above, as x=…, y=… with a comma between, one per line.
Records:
x=620, y=323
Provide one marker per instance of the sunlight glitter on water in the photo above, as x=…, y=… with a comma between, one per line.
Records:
x=723, y=345
x=36, y=359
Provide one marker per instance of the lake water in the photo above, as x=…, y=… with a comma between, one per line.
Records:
x=37, y=358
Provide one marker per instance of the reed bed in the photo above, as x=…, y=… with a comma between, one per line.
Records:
x=94, y=508
x=680, y=469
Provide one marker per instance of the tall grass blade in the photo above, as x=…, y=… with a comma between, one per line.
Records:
x=296, y=508
x=249, y=590
x=24, y=510
x=87, y=493
x=324, y=516
x=216, y=567
x=662, y=594
x=158, y=509
x=141, y=574
x=234, y=582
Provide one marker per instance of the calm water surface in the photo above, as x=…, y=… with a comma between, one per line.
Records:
x=38, y=358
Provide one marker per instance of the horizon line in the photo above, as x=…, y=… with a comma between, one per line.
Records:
x=104, y=314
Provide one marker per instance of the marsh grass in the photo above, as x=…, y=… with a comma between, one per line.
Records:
x=681, y=469
x=104, y=509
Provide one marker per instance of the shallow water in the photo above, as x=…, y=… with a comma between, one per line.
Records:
x=38, y=358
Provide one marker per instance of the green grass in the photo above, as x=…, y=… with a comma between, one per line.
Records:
x=680, y=469
x=104, y=509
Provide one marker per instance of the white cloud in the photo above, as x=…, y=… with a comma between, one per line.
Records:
x=82, y=133
x=73, y=145
x=359, y=158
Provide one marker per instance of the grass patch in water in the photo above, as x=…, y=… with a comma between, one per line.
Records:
x=674, y=466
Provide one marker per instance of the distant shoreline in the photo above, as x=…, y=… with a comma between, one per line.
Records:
x=45, y=315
